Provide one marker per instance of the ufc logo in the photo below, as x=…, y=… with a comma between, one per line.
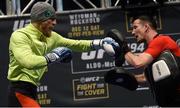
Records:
x=20, y=23
x=97, y=54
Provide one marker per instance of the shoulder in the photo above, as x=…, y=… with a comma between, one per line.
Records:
x=56, y=35
x=162, y=38
x=53, y=33
x=20, y=31
x=18, y=35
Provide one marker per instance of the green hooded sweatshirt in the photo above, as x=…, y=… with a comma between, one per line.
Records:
x=27, y=49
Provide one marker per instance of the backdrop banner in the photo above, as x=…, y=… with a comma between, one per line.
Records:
x=81, y=82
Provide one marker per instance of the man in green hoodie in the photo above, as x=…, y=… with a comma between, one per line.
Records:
x=35, y=46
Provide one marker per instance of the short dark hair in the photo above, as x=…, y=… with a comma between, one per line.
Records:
x=148, y=19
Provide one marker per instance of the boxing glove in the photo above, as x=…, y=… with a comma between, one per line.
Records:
x=59, y=55
x=108, y=44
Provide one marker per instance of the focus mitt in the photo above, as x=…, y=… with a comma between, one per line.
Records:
x=118, y=76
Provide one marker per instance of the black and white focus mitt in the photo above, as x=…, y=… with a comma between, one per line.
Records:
x=166, y=66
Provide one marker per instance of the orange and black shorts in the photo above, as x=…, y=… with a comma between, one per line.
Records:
x=22, y=94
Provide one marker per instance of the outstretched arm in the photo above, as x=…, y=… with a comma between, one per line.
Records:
x=138, y=60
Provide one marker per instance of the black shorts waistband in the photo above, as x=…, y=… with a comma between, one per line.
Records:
x=23, y=87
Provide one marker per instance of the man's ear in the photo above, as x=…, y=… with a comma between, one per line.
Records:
x=146, y=27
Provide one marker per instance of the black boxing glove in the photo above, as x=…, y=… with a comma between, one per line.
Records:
x=123, y=47
x=119, y=38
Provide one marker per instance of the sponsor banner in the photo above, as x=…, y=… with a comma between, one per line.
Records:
x=87, y=88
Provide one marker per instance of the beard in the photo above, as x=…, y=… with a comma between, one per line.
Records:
x=46, y=30
x=47, y=34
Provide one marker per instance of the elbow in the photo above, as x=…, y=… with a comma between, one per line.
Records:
x=29, y=65
x=138, y=64
x=32, y=65
x=32, y=62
